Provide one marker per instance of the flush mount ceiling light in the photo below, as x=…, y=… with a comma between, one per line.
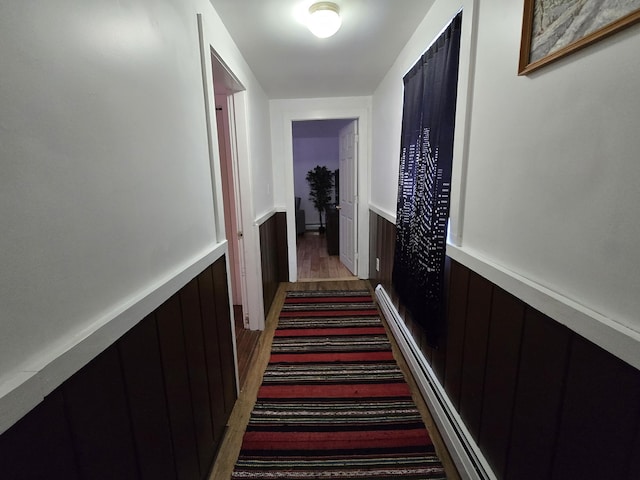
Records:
x=324, y=19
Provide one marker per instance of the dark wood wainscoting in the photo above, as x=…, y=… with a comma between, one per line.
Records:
x=154, y=405
x=382, y=244
x=539, y=400
x=273, y=256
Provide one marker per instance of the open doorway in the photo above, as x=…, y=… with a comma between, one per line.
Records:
x=325, y=240
x=225, y=86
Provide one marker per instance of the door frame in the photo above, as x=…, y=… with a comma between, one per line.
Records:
x=323, y=109
x=232, y=209
x=240, y=153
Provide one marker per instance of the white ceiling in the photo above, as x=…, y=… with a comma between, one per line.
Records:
x=289, y=62
x=318, y=128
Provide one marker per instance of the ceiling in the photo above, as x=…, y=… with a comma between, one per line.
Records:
x=318, y=128
x=289, y=62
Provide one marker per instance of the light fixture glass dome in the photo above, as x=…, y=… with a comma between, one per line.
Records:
x=324, y=19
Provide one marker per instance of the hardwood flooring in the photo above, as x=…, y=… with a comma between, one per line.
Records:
x=246, y=343
x=314, y=263
x=239, y=419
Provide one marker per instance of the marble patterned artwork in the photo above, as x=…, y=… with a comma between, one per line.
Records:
x=559, y=23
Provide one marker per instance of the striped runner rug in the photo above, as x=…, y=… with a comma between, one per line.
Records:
x=333, y=402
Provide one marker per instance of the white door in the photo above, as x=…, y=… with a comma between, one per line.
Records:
x=232, y=210
x=225, y=85
x=348, y=193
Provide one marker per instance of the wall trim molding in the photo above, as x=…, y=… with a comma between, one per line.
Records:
x=389, y=217
x=267, y=215
x=24, y=389
x=465, y=453
x=612, y=336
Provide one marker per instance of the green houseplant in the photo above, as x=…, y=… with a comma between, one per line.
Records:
x=320, y=181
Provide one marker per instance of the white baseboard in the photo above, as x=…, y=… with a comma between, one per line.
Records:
x=464, y=452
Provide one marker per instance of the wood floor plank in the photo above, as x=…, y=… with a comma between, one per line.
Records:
x=314, y=263
x=246, y=343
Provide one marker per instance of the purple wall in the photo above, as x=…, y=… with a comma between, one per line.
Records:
x=307, y=153
x=315, y=143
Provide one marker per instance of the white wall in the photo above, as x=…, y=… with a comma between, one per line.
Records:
x=105, y=192
x=262, y=170
x=551, y=193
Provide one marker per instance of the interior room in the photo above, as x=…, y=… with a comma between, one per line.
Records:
x=316, y=144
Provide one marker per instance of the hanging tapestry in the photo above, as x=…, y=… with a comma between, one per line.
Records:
x=424, y=187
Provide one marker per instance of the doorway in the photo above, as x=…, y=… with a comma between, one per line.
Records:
x=325, y=244
x=225, y=87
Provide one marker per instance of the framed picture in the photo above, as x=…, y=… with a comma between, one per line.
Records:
x=552, y=29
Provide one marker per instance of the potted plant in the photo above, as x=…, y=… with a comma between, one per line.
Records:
x=320, y=181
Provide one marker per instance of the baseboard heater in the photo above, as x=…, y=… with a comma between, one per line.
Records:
x=464, y=452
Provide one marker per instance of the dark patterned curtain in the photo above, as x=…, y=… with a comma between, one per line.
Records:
x=425, y=180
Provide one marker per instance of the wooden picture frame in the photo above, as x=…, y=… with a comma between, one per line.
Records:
x=539, y=48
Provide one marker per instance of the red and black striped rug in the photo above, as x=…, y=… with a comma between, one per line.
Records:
x=333, y=402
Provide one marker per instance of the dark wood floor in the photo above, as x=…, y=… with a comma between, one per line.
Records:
x=246, y=343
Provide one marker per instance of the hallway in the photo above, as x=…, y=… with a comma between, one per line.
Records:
x=117, y=349
x=232, y=442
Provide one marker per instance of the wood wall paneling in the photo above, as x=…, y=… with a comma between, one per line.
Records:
x=39, y=446
x=197, y=367
x=97, y=411
x=475, y=352
x=456, y=327
x=634, y=457
x=439, y=355
x=212, y=352
x=374, y=233
x=541, y=376
x=143, y=376
x=282, y=248
x=416, y=331
x=268, y=261
x=382, y=247
x=541, y=401
x=387, y=251
x=224, y=325
x=501, y=374
x=599, y=420
x=273, y=256
x=153, y=405
x=176, y=375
